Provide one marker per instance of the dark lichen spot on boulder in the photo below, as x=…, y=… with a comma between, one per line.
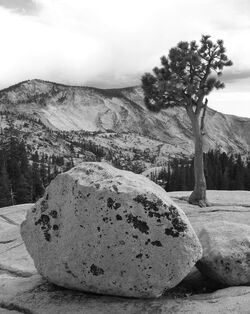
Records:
x=88, y=171
x=148, y=205
x=147, y=242
x=81, y=226
x=105, y=219
x=44, y=205
x=170, y=213
x=55, y=227
x=44, y=222
x=47, y=236
x=139, y=255
x=138, y=224
x=117, y=205
x=135, y=236
x=176, y=220
x=172, y=232
x=88, y=194
x=118, y=217
x=98, y=228
x=44, y=219
x=110, y=202
x=96, y=271
x=156, y=243
x=97, y=186
x=53, y=214
x=179, y=227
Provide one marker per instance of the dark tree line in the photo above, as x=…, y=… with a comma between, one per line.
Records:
x=222, y=172
x=25, y=175
x=20, y=182
x=23, y=179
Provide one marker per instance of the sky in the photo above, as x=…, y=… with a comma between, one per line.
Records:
x=111, y=43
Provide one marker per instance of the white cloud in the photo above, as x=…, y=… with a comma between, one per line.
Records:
x=110, y=43
x=236, y=103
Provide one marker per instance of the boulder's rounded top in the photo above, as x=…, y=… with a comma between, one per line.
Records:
x=103, y=175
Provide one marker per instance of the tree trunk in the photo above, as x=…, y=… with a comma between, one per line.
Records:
x=198, y=196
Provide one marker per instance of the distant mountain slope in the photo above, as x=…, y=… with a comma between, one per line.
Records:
x=67, y=108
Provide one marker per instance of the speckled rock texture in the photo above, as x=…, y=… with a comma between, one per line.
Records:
x=226, y=252
x=110, y=231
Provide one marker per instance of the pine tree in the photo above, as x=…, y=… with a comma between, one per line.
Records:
x=185, y=80
x=183, y=170
x=13, y=162
x=225, y=179
x=247, y=175
x=239, y=176
x=24, y=162
x=5, y=196
x=23, y=191
x=26, y=174
x=37, y=186
x=43, y=172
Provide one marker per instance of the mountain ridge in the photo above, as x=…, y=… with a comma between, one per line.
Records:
x=120, y=117
x=101, y=90
x=66, y=85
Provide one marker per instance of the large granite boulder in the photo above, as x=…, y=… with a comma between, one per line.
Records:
x=110, y=231
x=226, y=252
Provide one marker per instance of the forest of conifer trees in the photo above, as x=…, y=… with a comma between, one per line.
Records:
x=24, y=177
x=222, y=172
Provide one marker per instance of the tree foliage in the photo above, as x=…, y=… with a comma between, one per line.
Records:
x=186, y=76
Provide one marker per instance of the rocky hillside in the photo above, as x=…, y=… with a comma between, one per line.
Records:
x=51, y=116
